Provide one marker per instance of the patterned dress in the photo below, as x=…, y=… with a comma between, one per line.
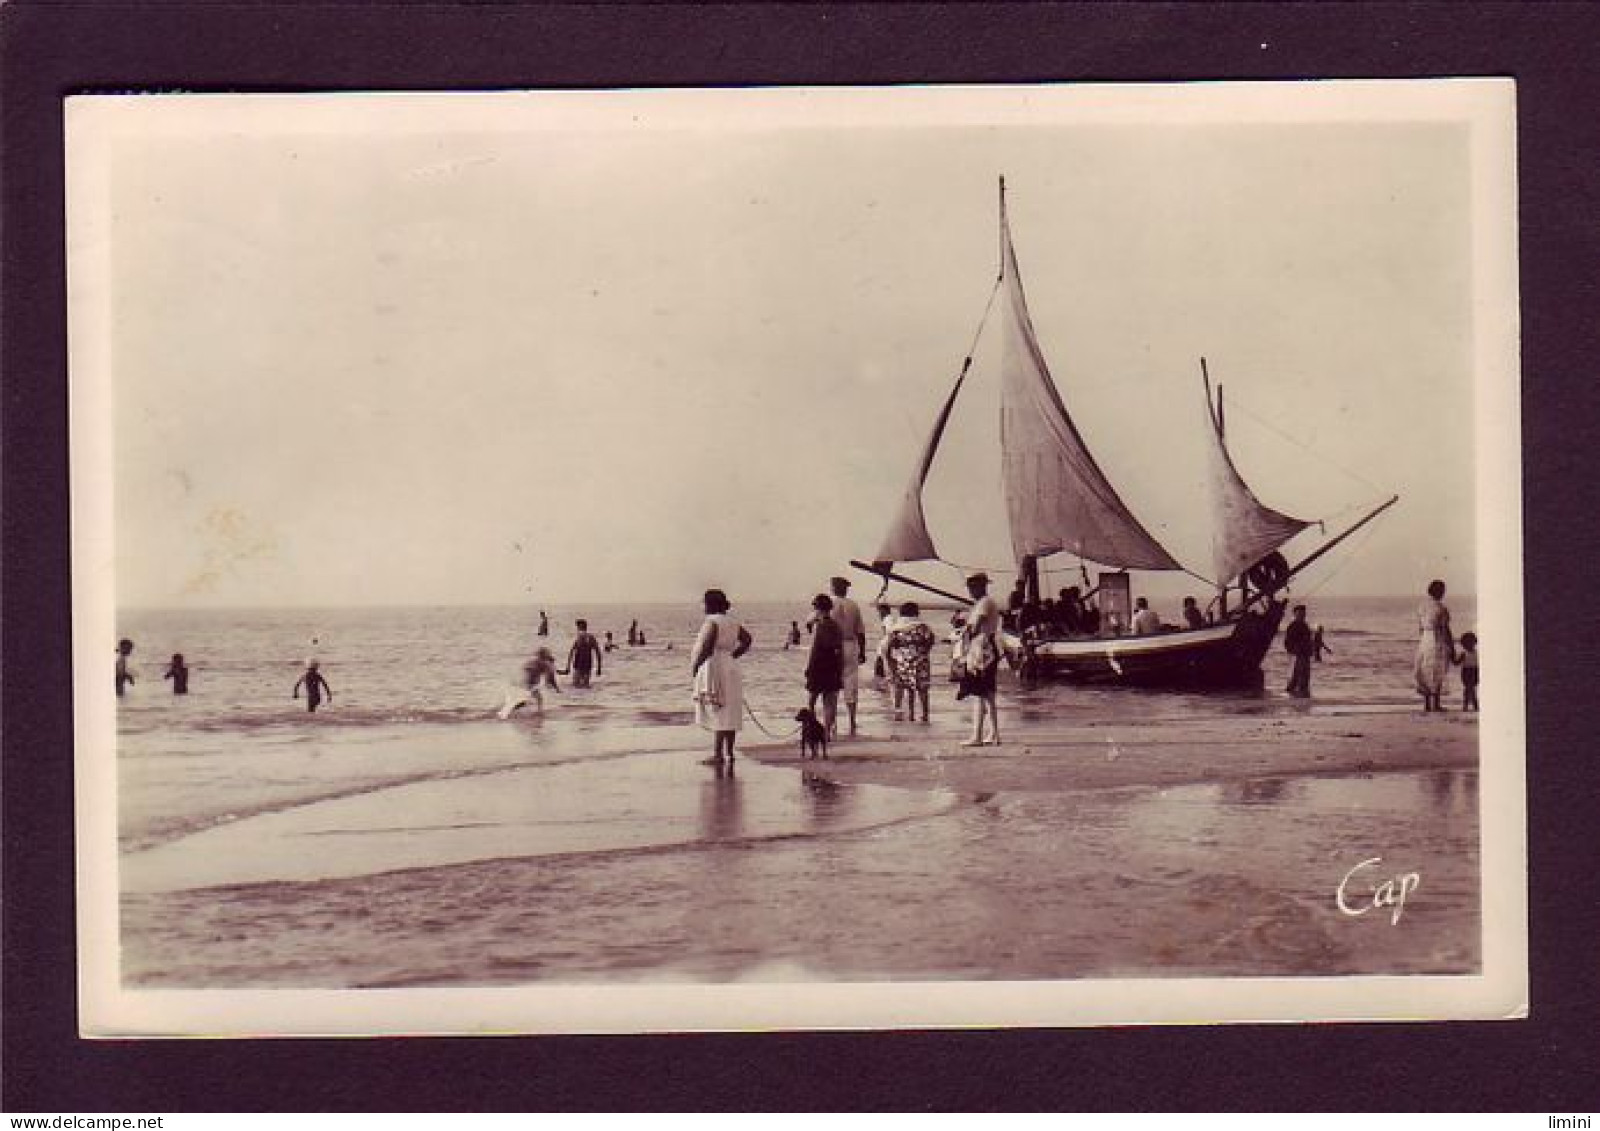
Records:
x=910, y=644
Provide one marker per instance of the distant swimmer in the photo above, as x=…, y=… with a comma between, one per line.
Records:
x=537, y=674
x=315, y=686
x=611, y=645
x=124, y=675
x=633, y=634
x=586, y=654
x=178, y=673
x=544, y=624
x=794, y=636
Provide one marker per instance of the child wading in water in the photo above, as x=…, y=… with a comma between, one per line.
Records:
x=537, y=673
x=178, y=674
x=124, y=676
x=1469, y=671
x=315, y=686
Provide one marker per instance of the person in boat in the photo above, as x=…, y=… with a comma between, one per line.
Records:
x=1298, y=642
x=1069, y=611
x=1436, y=648
x=316, y=686
x=178, y=672
x=1192, y=616
x=980, y=660
x=1468, y=659
x=585, y=654
x=910, y=646
x=825, y=664
x=1145, y=620
x=124, y=676
x=718, y=682
x=847, y=615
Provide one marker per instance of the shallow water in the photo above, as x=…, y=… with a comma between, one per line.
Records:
x=629, y=861
x=1198, y=880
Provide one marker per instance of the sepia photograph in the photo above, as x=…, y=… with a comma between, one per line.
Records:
x=809, y=558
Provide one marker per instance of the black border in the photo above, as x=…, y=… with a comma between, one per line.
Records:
x=1547, y=1063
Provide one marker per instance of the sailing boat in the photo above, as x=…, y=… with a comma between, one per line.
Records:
x=1058, y=500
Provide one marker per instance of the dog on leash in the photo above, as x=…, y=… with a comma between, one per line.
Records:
x=813, y=735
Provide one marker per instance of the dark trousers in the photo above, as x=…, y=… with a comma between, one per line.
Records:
x=1300, y=677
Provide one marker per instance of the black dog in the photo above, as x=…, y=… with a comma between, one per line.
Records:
x=813, y=735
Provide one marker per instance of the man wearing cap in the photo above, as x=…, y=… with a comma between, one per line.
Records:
x=847, y=615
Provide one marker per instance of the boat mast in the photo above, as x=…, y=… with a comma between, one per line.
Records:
x=1222, y=582
x=1028, y=567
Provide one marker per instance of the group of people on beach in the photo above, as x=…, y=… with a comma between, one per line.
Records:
x=837, y=654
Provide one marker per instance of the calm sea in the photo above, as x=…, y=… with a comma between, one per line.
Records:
x=415, y=692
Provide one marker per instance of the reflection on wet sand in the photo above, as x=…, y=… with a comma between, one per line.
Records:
x=721, y=807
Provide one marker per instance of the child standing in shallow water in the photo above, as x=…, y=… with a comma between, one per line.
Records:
x=124, y=676
x=1469, y=671
x=314, y=684
x=178, y=673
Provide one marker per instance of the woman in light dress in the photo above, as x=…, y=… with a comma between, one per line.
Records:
x=718, y=684
x=1436, y=647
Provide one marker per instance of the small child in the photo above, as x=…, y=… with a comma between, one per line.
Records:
x=1468, y=659
x=315, y=686
x=178, y=673
x=124, y=676
x=536, y=674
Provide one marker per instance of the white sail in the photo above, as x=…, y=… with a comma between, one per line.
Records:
x=908, y=539
x=1243, y=530
x=1056, y=495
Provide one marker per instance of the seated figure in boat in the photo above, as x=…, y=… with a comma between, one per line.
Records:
x=1145, y=620
x=1069, y=611
x=1192, y=616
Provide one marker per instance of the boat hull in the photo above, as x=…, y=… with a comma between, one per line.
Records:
x=1219, y=656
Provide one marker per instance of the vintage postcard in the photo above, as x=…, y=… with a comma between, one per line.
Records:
x=642, y=561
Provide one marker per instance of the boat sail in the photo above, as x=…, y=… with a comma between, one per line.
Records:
x=1059, y=500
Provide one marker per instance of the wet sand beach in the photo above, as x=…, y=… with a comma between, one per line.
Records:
x=1165, y=848
x=1043, y=756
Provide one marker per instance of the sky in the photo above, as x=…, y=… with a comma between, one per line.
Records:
x=544, y=349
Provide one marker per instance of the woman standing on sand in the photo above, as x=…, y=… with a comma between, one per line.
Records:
x=980, y=659
x=1436, y=648
x=718, y=683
